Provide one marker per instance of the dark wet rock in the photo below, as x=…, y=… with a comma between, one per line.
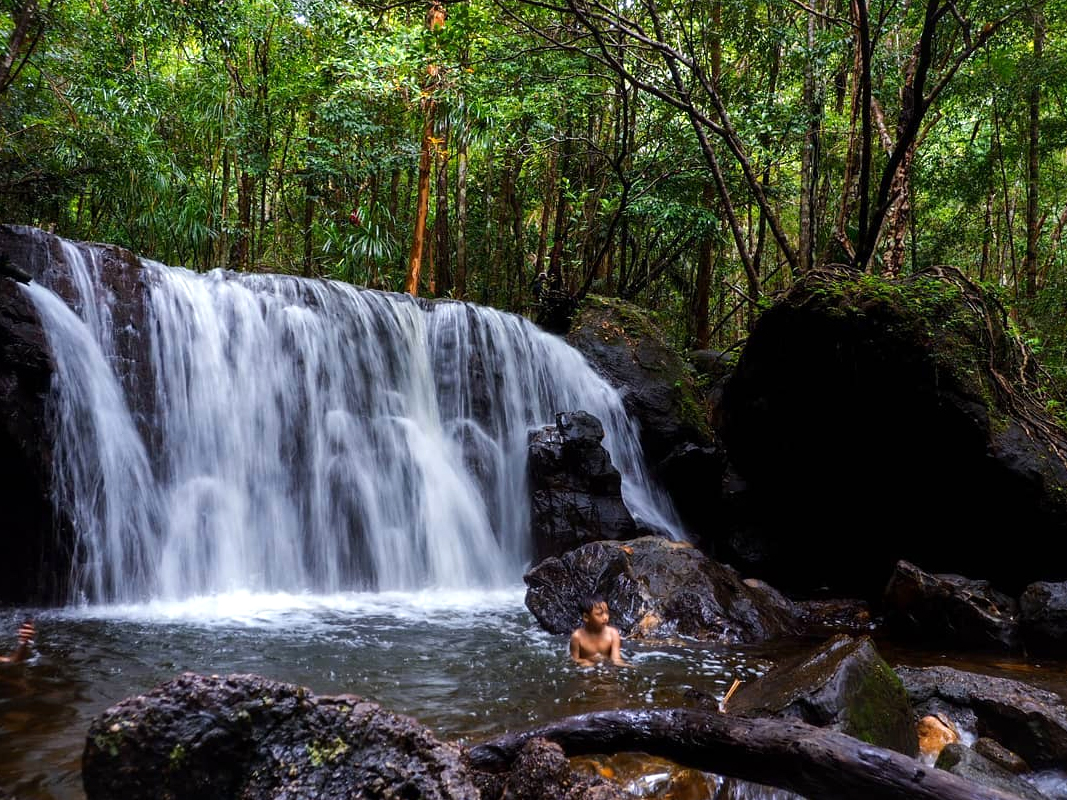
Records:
x=243, y=736
x=542, y=771
x=1043, y=617
x=575, y=490
x=655, y=588
x=692, y=475
x=27, y=556
x=876, y=420
x=36, y=543
x=967, y=763
x=1029, y=721
x=660, y=392
x=1000, y=755
x=950, y=610
x=844, y=684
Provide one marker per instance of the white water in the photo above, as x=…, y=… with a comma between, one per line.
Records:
x=306, y=436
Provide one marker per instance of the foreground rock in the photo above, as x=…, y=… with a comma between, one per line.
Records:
x=906, y=407
x=844, y=685
x=247, y=737
x=575, y=490
x=656, y=588
x=1028, y=721
x=967, y=763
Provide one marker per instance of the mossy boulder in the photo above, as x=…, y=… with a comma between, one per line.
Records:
x=663, y=393
x=244, y=736
x=843, y=684
x=874, y=420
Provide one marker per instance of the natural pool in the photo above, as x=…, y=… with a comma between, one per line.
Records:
x=468, y=665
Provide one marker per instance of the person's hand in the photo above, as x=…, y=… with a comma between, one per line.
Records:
x=27, y=632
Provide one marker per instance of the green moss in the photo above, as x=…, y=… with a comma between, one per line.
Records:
x=177, y=757
x=320, y=753
x=873, y=707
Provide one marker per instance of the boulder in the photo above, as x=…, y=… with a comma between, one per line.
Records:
x=656, y=588
x=1043, y=617
x=999, y=754
x=950, y=609
x=874, y=420
x=661, y=391
x=542, y=771
x=935, y=731
x=845, y=685
x=36, y=544
x=575, y=490
x=967, y=763
x=1027, y=720
x=243, y=736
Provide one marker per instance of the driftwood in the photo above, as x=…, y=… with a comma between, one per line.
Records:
x=817, y=763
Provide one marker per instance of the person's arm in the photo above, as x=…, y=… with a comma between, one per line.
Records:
x=25, y=643
x=616, y=645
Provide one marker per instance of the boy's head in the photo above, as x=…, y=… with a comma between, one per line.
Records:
x=594, y=611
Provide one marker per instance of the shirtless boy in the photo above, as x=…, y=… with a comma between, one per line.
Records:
x=596, y=641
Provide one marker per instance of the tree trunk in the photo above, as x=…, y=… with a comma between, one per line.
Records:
x=442, y=247
x=898, y=221
x=309, y=202
x=1033, y=173
x=422, y=201
x=809, y=154
x=461, y=216
x=702, y=290
x=791, y=755
x=239, y=252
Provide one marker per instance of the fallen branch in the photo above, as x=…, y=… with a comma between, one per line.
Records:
x=811, y=761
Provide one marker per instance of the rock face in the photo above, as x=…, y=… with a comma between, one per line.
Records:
x=844, y=685
x=247, y=737
x=1029, y=721
x=575, y=490
x=26, y=456
x=875, y=420
x=656, y=588
x=1043, y=617
x=950, y=608
x=661, y=392
x=36, y=542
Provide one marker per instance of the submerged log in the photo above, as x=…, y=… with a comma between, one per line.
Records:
x=811, y=761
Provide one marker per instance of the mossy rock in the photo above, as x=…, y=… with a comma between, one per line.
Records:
x=892, y=411
x=844, y=684
x=660, y=388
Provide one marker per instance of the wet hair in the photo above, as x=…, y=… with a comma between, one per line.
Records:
x=589, y=601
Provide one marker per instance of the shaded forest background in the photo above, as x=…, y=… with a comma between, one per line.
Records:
x=690, y=156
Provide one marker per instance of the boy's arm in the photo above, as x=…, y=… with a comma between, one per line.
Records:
x=22, y=650
x=616, y=644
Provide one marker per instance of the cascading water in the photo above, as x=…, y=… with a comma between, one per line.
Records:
x=307, y=436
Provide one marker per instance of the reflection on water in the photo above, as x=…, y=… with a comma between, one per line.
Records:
x=467, y=665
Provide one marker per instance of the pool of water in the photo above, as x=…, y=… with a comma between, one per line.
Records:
x=467, y=665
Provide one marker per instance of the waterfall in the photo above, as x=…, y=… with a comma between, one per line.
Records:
x=284, y=434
